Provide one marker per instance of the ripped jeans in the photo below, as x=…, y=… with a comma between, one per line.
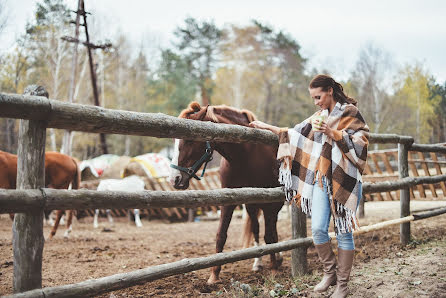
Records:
x=320, y=218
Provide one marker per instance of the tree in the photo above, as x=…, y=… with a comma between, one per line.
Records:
x=173, y=86
x=371, y=80
x=49, y=54
x=437, y=95
x=198, y=45
x=3, y=16
x=13, y=79
x=264, y=69
x=414, y=96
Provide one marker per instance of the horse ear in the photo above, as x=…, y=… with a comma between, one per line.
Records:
x=195, y=106
x=249, y=115
x=201, y=113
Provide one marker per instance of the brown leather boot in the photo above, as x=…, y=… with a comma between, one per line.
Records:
x=328, y=259
x=345, y=263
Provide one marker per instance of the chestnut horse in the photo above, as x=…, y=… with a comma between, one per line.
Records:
x=242, y=165
x=60, y=171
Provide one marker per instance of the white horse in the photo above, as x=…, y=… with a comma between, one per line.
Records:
x=129, y=184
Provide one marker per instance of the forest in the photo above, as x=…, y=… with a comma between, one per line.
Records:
x=255, y=67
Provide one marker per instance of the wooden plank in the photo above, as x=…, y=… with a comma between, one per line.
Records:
x=414, y=171
x=427, y=173
x=438, y=172
x=89, y=118
x=375, y=161
x=94, y=287
x=367, y=169
x=27, y=229
x=403, y=170
x=385, y=159
x=164, y=185
x=299, y=263
x=50, y=199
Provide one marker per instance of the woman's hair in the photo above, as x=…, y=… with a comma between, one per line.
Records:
x=326, y=82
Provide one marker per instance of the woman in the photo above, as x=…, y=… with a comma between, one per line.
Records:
x=322, y=160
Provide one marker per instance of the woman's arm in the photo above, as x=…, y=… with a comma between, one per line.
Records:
x=263, y=125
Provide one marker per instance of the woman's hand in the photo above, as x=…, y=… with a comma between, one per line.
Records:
x=263, y=125
x=259, y=124
x=324, y=128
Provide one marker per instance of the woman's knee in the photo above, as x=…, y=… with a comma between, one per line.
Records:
x=320, y=235
x=346, y=241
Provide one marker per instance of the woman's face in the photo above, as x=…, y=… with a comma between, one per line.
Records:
x=323, y=99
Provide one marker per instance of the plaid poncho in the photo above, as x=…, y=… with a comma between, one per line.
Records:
x=305, y=155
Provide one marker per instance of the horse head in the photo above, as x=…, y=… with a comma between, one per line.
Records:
x=190, y=155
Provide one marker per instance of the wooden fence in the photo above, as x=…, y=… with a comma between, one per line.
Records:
x=30, y=198
x=210, y=181
x=382, y=165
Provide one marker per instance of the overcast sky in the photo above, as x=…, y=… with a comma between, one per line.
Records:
x=329, y=32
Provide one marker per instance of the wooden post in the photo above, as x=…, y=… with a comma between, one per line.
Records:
x=299, y=264
x=190, y=215
x=27, y=241
x=403, y=170
x=361, y=213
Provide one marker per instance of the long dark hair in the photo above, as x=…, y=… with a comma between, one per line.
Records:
x=326, y=82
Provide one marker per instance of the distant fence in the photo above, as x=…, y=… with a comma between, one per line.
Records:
x=382, y=165
x=31, y=198
x=210, y=181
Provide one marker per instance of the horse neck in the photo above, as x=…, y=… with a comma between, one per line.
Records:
x=231, y=151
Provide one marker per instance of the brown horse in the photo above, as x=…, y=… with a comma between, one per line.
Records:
x=60, y=171
x=242, y=165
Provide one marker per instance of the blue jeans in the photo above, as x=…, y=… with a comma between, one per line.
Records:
x=320, y=219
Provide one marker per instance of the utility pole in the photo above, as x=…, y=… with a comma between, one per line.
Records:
x=81, y=11
x=66, y=141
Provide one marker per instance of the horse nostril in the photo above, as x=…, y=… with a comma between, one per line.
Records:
x=177, y=180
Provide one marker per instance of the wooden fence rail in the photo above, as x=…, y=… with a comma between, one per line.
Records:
x=129, y=279
x=26, y=200
x=40, y=113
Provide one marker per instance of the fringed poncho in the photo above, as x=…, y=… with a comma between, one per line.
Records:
x=306, y=154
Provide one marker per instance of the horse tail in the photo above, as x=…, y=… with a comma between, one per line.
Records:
x=248, y=235
x=75, y=184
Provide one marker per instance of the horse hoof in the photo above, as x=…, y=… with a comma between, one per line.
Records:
x=213, y=280
x=257, y=268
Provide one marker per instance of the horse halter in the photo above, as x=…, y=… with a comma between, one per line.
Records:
x=205, y=158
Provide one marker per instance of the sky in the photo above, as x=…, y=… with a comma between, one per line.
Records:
x=330, y=33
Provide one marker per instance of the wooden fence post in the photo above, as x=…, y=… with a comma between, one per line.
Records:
x=299, y=264
x=27, y=241
x=361, y=213
x=403, y=170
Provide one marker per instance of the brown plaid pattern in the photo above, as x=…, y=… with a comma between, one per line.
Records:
x=306, y=154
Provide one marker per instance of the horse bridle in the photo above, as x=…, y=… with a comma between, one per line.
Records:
x=205, y=158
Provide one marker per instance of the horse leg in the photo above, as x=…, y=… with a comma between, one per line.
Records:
x=137, y=218
x=109, y=216
x=56, y=224
x=69, y=223
x=48, y=219
x=253, y=214
x=271, y=235
x=95, y=218
x=222, y=234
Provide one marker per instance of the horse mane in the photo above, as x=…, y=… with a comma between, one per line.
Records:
x=213, y=113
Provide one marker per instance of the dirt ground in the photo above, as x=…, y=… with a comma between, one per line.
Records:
x=382, y=267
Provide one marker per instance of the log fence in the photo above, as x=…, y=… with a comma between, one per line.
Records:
x=30, y=199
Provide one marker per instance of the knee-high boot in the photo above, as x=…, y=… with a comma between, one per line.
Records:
x=345, y=263
x=328, y=259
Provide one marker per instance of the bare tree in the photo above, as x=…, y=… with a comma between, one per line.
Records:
x=3, y=16
x=371, y=77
